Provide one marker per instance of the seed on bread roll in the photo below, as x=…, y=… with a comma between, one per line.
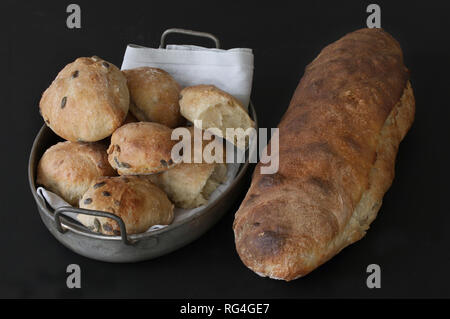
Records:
x=68, y=168
x=154, y=96
x=135, y=199
x=337, y=146
x=217, y=110
x=87, y=101
x=141, y=148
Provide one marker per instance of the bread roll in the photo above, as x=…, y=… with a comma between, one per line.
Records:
x=68, y=168
x=139, y=203
x=87, y=101
x=190, y=185
x=141, y=148
x=217, y=110
x=154, y=96
x=338, y=142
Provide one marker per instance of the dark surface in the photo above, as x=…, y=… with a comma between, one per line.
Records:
x=409, y=239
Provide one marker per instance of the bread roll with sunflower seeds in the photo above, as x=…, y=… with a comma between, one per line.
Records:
x=87, y=101
x=141, y=148
x=139, y=202
x=217, y=110
x=68, y=168
x=154, y=96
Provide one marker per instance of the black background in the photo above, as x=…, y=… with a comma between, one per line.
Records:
x=410, y=238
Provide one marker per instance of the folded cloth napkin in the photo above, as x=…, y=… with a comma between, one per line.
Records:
x=229, y=70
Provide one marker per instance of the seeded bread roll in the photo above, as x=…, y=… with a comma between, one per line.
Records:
x=68, y=168
x=154, y=96
x=135, y=199
x=141, y=148
x=217, y=110
x=337, y=146
x=87, y=101
x=190, y=185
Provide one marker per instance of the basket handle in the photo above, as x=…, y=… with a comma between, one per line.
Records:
x=188, y=32
x=59, y=211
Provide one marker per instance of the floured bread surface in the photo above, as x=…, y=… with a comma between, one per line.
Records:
x=87, y=101
x=154, y=96
x=68, y=168
x=217, y=110
x=135, y=199
x=338, y=142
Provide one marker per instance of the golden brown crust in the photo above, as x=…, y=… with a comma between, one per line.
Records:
x=139, y=203
x=141, y=148
x=68, y=168
x=338, y=142
x=87, y=101
x=154, y=96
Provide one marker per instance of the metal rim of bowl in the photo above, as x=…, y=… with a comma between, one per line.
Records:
x=81, y=230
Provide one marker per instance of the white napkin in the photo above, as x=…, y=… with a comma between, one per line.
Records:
x=229, y=70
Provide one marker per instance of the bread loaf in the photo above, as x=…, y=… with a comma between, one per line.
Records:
x=337, y=149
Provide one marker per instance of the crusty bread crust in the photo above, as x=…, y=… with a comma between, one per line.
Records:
x=154, y=96
x=141, y=148
x=338, y=142
x=87, y=101
x=68, y=168
x=189, y=185
x=217, y=110
x=135, y=199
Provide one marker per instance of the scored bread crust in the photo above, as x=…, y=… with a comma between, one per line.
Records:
x=338, y=142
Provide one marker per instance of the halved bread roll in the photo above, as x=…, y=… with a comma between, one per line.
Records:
x=191, y=185
x=217, y=111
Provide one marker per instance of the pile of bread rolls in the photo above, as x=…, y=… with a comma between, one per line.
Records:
x=117, y=154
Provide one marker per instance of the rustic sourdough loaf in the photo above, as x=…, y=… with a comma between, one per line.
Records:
x=338, y=142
